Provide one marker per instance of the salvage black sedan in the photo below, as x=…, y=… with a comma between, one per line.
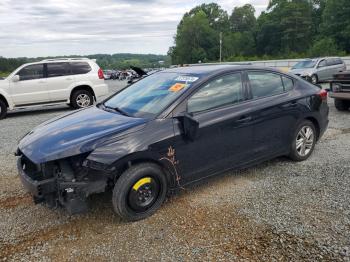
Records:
x=168, y=130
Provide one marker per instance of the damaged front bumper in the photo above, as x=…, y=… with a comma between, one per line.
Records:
x=56, y=186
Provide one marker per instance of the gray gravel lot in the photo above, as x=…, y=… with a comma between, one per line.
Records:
x=278, y=210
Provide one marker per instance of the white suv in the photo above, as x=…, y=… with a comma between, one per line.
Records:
x=73, y=81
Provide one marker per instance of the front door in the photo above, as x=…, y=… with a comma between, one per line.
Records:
x=225, y=134
x=31, y=88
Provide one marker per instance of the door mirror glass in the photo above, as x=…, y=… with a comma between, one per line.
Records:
x=189, y=126
x=15, y=78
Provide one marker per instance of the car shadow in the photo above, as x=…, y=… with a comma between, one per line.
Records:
x=46, y=110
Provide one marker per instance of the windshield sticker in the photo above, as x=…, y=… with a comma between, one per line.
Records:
x=190, y=79
x=177, y=87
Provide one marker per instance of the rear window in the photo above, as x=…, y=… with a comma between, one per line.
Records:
x=265, y=84
x=57, y=69
x=80, y=68
x=338, y=61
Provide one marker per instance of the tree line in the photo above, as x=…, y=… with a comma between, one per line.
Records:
x=287, y=29
x=105, y=61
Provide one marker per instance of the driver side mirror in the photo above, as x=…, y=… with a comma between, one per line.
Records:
x=15, y=78
x=189, y=126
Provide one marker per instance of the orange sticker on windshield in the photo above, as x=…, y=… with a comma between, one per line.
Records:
x=177, y=87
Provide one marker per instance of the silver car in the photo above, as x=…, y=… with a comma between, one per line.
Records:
x=318, y=69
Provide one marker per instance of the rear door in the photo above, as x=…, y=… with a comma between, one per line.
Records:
x=31, y=88
x=274, y=112
x=225, y=133
x=59, y=80
x=323, y=70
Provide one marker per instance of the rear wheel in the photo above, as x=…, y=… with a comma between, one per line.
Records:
x=3, y=109
x=82, y=99
x=303, y=142
x=139, y=192
x=341, y=104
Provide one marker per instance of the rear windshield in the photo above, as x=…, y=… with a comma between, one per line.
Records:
x=150, y=96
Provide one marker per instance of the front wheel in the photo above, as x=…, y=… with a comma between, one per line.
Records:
x=314, y=79
x=303, y=142
x=139, y=192
x=82, y=99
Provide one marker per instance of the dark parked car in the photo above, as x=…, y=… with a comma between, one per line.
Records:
x=340, y=90
x=168, y=130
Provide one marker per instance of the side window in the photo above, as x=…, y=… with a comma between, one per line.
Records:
x=330, y=62
x=80, y=68
x=287, y=83
x=57, y=69
x=322, y=63
x=265, y=84
x=338, y=61
x=222, y=91
x=31, y=72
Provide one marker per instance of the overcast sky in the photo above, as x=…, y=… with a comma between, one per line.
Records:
x=65, y=27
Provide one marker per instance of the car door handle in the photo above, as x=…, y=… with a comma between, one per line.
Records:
x=244, y=119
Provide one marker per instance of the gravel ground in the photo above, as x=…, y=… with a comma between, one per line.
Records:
x=278, y=210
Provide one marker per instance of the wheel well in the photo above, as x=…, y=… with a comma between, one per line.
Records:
x=4, y=99
x=133, y=162
x=316, y=124
x=83, y=87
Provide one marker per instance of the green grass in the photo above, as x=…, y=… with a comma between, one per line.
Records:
x=4, y=74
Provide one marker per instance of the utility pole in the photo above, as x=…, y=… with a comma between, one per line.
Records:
x=220, y=45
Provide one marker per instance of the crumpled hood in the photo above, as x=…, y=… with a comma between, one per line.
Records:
x=302, y=71
x=75, y=133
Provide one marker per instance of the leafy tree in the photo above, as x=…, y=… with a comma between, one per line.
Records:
x=217, y=17
x=336, y=22
x=243, y=19
x=195, y=40
x=325, y=47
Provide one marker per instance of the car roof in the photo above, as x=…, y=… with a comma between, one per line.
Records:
x=213, y=69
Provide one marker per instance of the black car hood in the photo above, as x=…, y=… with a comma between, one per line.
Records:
x=138, y=70
x=74, y=133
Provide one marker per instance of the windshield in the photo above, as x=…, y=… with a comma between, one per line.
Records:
x=150, y=96
x=305, y=64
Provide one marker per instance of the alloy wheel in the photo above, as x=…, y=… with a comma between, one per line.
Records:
x=83, y=100
x=305, y=141
x=314, y=79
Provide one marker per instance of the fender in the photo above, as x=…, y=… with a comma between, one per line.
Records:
x=8, y=99
x=154, y=143
x=74, y=85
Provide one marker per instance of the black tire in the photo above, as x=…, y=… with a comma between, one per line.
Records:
x=294, y=151
x=75, y=103
x=341, y=105
x=124, y=202
x=3, y=109
x=314, y=79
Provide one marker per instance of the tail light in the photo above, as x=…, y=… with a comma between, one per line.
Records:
x=323, y=95
x=100, y=74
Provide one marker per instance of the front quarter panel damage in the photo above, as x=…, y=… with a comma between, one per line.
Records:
x=153, y=143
